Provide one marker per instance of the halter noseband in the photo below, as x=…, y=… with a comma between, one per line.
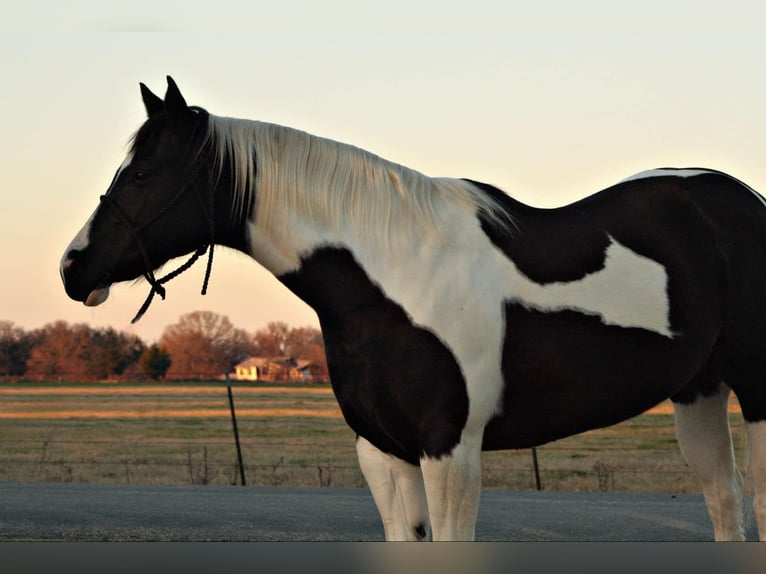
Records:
x=157, y=284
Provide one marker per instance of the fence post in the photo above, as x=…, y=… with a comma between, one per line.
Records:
x=236, y=434
x=537, y=469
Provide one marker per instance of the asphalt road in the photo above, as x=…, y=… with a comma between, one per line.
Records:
x=96, y=512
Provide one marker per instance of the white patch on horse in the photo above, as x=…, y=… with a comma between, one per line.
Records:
x=667, y=172
x=79, y=243
x=81, y=240
x=125, y=163
x=629, y=291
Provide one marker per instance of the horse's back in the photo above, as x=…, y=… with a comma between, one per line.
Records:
x=568, y=371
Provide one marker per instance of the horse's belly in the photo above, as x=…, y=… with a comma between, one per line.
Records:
x=567, y=372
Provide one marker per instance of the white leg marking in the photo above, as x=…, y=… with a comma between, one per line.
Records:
x=704, y=435
x=756, y=441
x=398, y=491
x=453, y=488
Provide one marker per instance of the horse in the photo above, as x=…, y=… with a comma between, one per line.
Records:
x=457, y=319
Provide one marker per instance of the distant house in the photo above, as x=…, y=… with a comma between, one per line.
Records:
x=273, y=369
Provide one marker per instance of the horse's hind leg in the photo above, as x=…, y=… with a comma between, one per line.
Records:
x=398, y=491
x=702, y=428
x=756, y=440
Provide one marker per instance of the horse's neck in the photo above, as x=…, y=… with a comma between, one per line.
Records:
x=312, y=192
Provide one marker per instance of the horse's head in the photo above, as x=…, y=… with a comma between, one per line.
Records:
x=160, y=204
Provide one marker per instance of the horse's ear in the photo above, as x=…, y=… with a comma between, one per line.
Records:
x=175, y=104
x=153, y=104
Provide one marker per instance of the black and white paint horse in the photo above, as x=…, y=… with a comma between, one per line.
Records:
x=455, y=318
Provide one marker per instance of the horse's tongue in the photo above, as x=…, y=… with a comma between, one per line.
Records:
x=97, y=296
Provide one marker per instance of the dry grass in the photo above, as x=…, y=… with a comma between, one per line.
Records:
x=154, y=411
x=168, y=401
x=291, y=435
x=174, y=389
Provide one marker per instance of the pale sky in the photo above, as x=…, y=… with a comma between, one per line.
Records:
x=549, y=100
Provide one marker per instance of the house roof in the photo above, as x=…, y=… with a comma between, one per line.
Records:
x=260, y=362
x=254, y=362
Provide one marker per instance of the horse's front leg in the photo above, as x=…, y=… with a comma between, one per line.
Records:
x=397, y=488
x=453, y=488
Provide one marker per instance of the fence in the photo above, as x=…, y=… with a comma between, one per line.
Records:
x=304, y=463
x=174, y=434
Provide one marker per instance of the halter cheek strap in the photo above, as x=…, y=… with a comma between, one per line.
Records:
x=157, y=284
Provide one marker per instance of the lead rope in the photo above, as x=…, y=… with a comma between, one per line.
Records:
x=156, y=285
x=211, y=229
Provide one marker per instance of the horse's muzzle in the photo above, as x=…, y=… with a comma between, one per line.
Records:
x=75, y=288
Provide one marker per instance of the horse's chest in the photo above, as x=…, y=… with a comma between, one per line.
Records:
x=398, y=384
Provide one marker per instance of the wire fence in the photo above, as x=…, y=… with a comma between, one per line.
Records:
x=328, y=464
x=290, y=436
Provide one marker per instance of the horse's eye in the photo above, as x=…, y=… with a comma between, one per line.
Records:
x=141, y=176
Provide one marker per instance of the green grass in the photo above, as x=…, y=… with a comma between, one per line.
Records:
x=149, y=438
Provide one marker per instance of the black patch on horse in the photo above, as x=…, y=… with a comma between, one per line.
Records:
x=397, y=384
x=566, y=372
x=547, y=245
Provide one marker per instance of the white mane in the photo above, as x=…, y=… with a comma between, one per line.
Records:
x=332, y=183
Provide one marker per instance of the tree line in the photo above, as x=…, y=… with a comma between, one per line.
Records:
x=201, y=345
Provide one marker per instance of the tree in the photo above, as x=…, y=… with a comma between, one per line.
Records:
x=271, y=341
x=60, y=351
x=154, y=362
x=203, y=344
x=301, y=341
x=305, y=343
x=80, y=352
x=15, y=347
x=110, y=352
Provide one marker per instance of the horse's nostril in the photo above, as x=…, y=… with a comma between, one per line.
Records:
x=69, y=260
x=72, y=256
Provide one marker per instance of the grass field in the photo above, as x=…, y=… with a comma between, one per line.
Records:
x=290, y=435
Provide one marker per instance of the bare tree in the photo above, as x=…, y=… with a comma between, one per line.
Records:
x=302, y=343
x=272, y=340
x=306, y=343
x=204, y=344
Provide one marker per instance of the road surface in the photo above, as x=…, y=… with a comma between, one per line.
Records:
x=97, y=512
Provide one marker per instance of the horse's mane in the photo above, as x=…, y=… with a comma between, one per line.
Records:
x=334, y=183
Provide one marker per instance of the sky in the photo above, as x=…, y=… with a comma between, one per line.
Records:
x=549, y=100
